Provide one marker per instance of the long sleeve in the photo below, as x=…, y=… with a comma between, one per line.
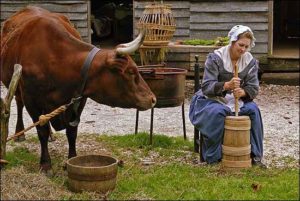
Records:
x=251, y=82
x=211, y=86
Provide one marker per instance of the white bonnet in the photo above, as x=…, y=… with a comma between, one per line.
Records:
x=237, y=30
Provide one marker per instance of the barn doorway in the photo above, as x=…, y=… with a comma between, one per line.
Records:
x=111, y=22
x=286, y=25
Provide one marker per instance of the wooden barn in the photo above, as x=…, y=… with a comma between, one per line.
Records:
x=78, y=11
x=109, y=22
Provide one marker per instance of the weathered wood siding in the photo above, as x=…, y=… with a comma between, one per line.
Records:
x=210, y=19
x=77, y=11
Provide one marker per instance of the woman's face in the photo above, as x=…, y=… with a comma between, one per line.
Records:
x=239, y=47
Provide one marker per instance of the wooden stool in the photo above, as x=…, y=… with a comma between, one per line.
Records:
x=198, y=138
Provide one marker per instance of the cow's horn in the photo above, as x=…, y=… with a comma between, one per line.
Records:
x=133, y=45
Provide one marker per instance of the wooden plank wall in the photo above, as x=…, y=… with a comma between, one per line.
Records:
x=76, y=10
x=210, y=19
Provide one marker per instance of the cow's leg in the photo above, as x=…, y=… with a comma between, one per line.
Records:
x=71, y=132
x=43, y=133
x=20, y=124
x=72, y=135
x=45, y=161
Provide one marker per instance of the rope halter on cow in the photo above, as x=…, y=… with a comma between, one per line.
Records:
x=84, y=74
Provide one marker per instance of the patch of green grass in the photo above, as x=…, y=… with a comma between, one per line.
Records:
x=141, y=141
x=21, y=156
x=185, y=182
x=138, y=146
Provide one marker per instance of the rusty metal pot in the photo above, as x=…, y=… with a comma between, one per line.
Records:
x=168, y=84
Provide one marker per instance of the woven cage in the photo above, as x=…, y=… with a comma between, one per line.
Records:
x=159, y=24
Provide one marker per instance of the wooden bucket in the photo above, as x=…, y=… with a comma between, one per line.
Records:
x=236, y=146
x=97, y=173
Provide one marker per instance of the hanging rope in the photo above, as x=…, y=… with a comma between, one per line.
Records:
x=43, y=119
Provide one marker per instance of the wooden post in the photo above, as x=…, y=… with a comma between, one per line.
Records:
x=5, y=110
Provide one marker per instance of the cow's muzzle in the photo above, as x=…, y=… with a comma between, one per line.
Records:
x=147, y=104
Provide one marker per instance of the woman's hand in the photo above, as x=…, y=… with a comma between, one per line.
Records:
x=232, y=84
x=239, y=92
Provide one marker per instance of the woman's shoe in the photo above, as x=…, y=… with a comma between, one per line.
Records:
x=214, y=162
x=256, y=161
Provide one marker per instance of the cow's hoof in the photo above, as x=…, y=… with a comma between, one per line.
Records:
x=46, y=169
x=20, y=138
x=49, y=173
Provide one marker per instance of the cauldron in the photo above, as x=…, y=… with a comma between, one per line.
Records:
x=168, y=84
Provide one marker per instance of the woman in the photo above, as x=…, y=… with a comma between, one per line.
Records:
x=215, y=100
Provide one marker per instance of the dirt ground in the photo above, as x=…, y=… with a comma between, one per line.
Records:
x=279, y=106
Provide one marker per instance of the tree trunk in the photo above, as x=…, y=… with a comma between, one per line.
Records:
x=5, y=109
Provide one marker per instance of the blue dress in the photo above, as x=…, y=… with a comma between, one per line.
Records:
x=207, y=113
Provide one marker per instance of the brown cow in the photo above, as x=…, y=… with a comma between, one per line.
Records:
x=52, y=55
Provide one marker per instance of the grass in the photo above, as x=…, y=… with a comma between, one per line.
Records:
x=141, y=141
x=181, y=182
x=173, y=175
x=21, y=156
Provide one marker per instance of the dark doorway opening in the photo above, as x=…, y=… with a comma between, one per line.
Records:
x=111, y=22
x=286, y=29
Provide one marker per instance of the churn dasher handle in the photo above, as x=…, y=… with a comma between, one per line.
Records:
x=236, y=103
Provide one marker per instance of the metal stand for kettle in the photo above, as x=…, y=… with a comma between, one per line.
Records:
x=142, y=52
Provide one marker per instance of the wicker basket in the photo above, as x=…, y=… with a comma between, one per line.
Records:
x=159, y=24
